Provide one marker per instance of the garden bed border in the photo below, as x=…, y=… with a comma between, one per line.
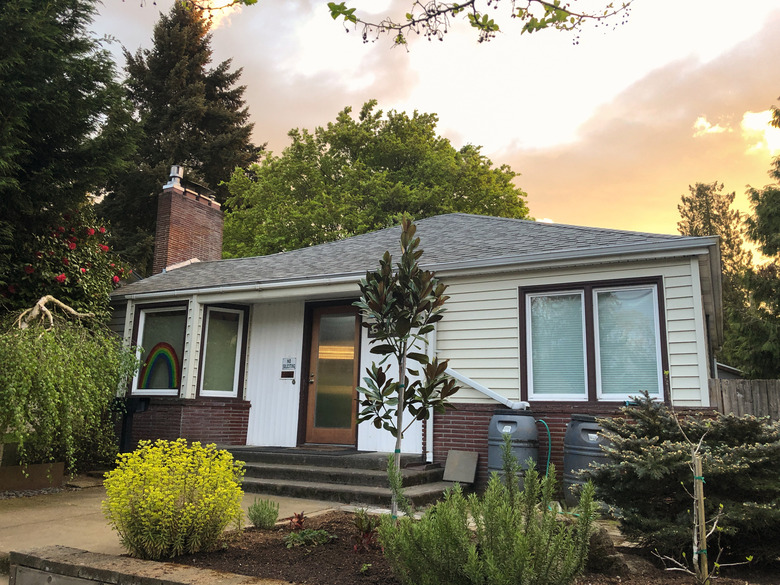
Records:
x=62, y=565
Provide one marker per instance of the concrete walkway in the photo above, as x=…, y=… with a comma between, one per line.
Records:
x=75, y=519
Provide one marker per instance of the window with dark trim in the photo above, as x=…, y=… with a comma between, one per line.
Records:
x=222, y=351
x=592, y=341
x=160, y=332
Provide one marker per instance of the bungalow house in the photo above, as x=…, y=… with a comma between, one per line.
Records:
x=267, y=351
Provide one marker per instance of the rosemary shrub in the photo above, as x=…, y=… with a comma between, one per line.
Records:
x=507, y=536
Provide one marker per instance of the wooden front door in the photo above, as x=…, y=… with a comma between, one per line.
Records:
x=333, y=376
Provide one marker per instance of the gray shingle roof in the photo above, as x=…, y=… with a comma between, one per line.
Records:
x=447, y=240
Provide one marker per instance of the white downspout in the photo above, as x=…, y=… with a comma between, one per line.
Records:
x=522, y=405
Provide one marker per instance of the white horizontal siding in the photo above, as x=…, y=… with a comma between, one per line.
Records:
x=686, y=342
x=498, y=355
x=685, y=314
x=498, y=327
x=452, y=346
x=682, y=347
x=687, y=336
x=481, y=314
x=674, y=303
x=677, y=290
x=453, y=334
x=682, y=359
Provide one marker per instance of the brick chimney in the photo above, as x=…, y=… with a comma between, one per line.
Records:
x=189, y=224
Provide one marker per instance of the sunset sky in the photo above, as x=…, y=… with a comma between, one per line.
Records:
x=606, y=132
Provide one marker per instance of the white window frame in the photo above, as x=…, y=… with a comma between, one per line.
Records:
x=237, y=365
x=142, y=312
x=597, y=343
x=529, y=348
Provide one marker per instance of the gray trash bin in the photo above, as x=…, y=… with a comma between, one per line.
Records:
x=521, y=426
x=581, y=446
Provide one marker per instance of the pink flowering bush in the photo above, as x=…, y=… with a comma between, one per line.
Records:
x=71, y=261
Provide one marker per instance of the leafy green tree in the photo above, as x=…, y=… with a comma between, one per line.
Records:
x=64, y=127
x=400, y=308
x=707, y=211
x=188, y=114
x=359, y=175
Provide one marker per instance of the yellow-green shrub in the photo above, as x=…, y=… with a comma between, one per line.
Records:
x=166, y=498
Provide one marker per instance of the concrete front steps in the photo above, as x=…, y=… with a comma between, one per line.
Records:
x=346, y=476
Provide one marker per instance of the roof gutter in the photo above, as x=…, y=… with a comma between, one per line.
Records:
x=245, y=288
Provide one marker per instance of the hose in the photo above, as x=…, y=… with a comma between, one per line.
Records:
x=549, y=444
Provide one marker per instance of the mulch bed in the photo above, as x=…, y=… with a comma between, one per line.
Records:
x=263, y=553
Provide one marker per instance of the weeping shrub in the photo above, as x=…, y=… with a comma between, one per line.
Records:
x=58, y=382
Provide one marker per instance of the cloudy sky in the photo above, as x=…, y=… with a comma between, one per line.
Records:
x=608, y=131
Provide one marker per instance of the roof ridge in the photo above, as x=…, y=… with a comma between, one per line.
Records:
x=553, y=223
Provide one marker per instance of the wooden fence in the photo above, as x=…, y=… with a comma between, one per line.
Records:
x=756, y=397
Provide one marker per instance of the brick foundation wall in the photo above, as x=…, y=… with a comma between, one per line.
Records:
x=224, y=422
x=188, y=226
x=466, y=429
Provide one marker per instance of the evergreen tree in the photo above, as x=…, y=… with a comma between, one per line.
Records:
x=707, y=212
x=647, y=477
x=359, y=175
x=189, y=115
x=759, y=345
x=64, y=126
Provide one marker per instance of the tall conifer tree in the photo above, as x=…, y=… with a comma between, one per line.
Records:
x=707, y=212
x=63, y=125
x=189, y=115
x=759, y=345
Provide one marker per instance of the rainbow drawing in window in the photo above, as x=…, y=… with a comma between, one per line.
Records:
x=162, y=359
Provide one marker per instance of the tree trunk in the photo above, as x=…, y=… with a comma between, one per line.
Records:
x=399, y=426
x=700, y=526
